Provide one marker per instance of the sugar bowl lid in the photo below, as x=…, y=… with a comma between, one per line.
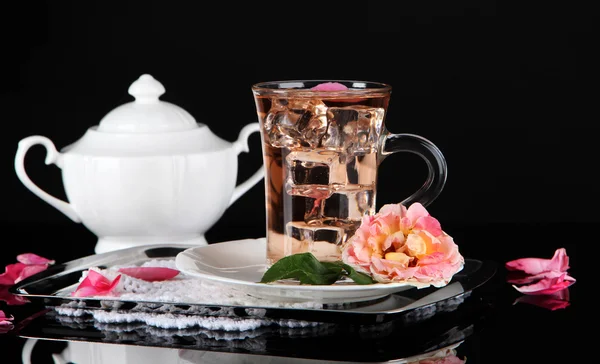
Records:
x=147, y=126
x=147, y=114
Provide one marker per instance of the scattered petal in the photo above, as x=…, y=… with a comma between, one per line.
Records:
x=95, y=284
x=28, y=265
x=558, y=263
x=329, y=86
x=30, y=270
x=11, y=273
x=150, y=274
x=547, y=285
x=521, y=278
x=30, y=258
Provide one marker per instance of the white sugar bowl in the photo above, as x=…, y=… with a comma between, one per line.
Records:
x=148, y=173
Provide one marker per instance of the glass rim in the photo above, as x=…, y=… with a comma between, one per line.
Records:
x=300, y=88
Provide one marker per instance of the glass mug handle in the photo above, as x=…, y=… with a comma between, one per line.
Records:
x=436, y=164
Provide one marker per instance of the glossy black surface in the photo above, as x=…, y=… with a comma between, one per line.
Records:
x=497, y=325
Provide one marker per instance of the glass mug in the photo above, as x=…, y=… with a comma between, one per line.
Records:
x=321, y=151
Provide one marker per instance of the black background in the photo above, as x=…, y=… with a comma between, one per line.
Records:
x=506, y=92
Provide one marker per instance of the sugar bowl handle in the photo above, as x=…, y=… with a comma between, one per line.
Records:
x=52, y=156
x=241, y=145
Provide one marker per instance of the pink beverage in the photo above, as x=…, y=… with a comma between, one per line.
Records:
x=321, y=152
x=320, y=155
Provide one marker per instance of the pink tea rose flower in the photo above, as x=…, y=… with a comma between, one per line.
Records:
x=404, y=245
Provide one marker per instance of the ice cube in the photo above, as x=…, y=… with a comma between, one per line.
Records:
x=313, y=130
x=355, y=128
x=349, y=205
x=317, y=238
x=307, y=209
x=314, y=173
x=295, y=122
x=314, y=106
x=361, y=169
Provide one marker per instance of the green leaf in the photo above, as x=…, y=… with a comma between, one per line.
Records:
x=357, y=277
x=306, y=268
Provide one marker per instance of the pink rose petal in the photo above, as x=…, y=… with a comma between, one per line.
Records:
x=95, y=284
x=329, y=86
x=30, y=258
x=30, y=270
x=12, y=272
x=416, y=211
x=429, y=224
x=150, y=274
x=547, y=285
x=559, y=263
x=527, y=279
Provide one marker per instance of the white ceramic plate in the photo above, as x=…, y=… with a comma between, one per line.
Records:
x=242, y=263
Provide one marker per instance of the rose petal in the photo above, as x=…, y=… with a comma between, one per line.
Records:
x=30, y=270
x=329, y=86
x=429, y=224
x=95, y=284
x=559, y=263
x=150, y=274
x=11, y=273
x=547, y=285
x=521, y=278
x=30, y=258
x=415, y=212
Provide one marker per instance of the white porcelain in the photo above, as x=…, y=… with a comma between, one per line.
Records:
x=147, y=174
x=242, y=263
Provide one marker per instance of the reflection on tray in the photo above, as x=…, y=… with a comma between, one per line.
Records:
x=437, y=326
x=324, y=341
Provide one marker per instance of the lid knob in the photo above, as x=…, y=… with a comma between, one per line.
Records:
x=147, y=114
x=146, y=89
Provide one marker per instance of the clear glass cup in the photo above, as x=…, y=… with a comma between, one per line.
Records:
x=323, y=141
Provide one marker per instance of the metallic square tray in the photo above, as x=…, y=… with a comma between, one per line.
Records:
x=408, y=306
